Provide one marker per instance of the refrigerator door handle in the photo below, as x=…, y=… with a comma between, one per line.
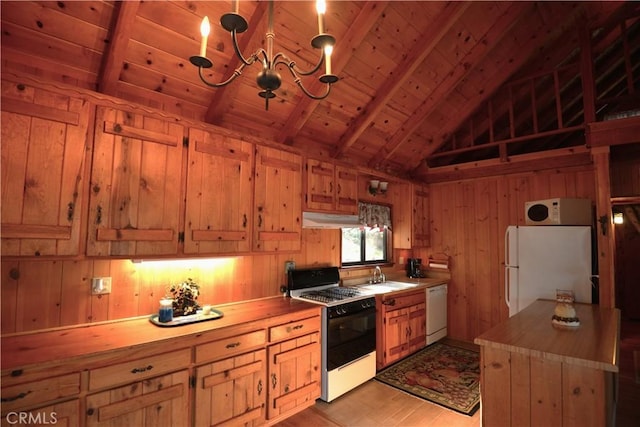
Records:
x=506, y=267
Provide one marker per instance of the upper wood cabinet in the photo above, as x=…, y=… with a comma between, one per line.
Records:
x=330, y=187
x=43, y=163
x=136, y=182
x=421, y=226
x=219, y=194
x=277, y=222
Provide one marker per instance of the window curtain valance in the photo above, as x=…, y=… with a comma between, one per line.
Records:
x=372, y=215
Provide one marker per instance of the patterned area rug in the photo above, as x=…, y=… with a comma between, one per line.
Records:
x=440, y=373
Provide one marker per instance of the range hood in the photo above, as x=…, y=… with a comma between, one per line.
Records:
x=322, y=220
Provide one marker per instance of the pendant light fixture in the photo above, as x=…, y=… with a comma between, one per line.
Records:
x=268, y=78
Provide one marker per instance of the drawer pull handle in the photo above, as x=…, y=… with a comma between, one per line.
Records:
x=274, y=381
x=16, y=397
x=259, y=387
x=233, y=345
x=139, y=370
x=294, y=328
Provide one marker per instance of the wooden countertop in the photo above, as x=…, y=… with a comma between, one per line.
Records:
x=49, y=346
x=595, y=343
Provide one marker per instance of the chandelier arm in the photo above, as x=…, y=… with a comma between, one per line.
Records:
x=298, y=81
x=236, y=48
x=233, y=76
x=281, y=58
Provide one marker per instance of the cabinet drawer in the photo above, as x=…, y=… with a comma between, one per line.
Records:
x=38, y=392
x=391, y=302
x=139, y=369
x=224, y=348
x=294, y=328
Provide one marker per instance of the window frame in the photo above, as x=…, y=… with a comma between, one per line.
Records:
x=387, y=239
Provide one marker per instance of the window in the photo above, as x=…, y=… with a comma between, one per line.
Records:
x=364, y=245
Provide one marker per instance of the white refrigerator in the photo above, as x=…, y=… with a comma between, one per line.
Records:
x=541, y=259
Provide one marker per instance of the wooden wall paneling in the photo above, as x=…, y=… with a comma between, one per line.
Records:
x=9, y=296
x=123, y=300
x=75, y=298
x=461, y=252
x=488, y=279
x=39, y=293
x=469, y=251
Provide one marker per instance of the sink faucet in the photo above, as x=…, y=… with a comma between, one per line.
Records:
x=378, y=277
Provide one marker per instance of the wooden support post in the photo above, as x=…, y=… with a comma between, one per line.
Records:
x=604, y=225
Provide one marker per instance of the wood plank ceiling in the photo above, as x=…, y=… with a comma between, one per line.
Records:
x=411, y=72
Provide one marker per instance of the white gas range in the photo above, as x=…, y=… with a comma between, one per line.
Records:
x=348, y=334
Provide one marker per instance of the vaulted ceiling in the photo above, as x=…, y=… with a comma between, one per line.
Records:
x=411, y=73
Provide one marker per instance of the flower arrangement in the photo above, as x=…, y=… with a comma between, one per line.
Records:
x=184, y=296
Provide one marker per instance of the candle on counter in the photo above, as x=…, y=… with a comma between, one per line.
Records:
x=321, y=8
x=328, y=50
x=204, y=31
x=165, y=313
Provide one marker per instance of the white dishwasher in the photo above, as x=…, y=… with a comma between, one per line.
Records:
x=436, y=313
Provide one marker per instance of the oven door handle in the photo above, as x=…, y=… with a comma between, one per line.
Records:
x=354, y=361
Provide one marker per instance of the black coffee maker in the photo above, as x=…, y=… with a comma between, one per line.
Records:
x=414, y=267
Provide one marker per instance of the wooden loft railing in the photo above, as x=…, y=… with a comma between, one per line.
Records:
x=546, y=110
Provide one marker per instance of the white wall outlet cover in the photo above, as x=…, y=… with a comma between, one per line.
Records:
x=100, y=285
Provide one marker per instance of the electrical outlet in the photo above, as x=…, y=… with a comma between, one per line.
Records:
x=100, y=285
x=289, y=265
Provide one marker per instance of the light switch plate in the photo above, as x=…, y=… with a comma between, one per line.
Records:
x=100, y=285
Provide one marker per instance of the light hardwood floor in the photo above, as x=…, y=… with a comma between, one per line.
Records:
x=377, y=404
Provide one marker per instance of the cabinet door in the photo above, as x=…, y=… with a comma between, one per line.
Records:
x=66, y=414
x=219, y=194
x=320, y=185
x=158, y=401
x=278, y=200
x=294, y=375
x=136, y=183
x=43, y=160
x=346, y=190
x=421, y=230
x=396, y=335
x=231, y=391
x=417, y=327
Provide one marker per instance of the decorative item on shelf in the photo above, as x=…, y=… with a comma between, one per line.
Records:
x=184, y=296
x=564, y=313
x=377, y=187
x=269, y=79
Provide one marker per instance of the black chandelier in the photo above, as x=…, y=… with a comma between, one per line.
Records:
x=268, y=78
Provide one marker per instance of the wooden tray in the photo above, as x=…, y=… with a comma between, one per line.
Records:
x=186, y=320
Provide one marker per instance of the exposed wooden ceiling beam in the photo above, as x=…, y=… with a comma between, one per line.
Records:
x=509, y=18
x=357, y=32
x=223, y=96
x=403, y=71
x=115, y=54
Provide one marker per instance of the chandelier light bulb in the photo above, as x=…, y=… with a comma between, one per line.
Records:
x=328, y=50
x=321, y=8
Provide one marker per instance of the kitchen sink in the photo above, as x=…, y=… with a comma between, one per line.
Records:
x=380, y=288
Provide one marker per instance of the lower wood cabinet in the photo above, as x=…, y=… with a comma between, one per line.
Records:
x=231, y=391
x=294, y=375
x=254, y=373
x=401, y=326
x=158, y=401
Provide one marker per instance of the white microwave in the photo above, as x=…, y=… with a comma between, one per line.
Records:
x=558, y=211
